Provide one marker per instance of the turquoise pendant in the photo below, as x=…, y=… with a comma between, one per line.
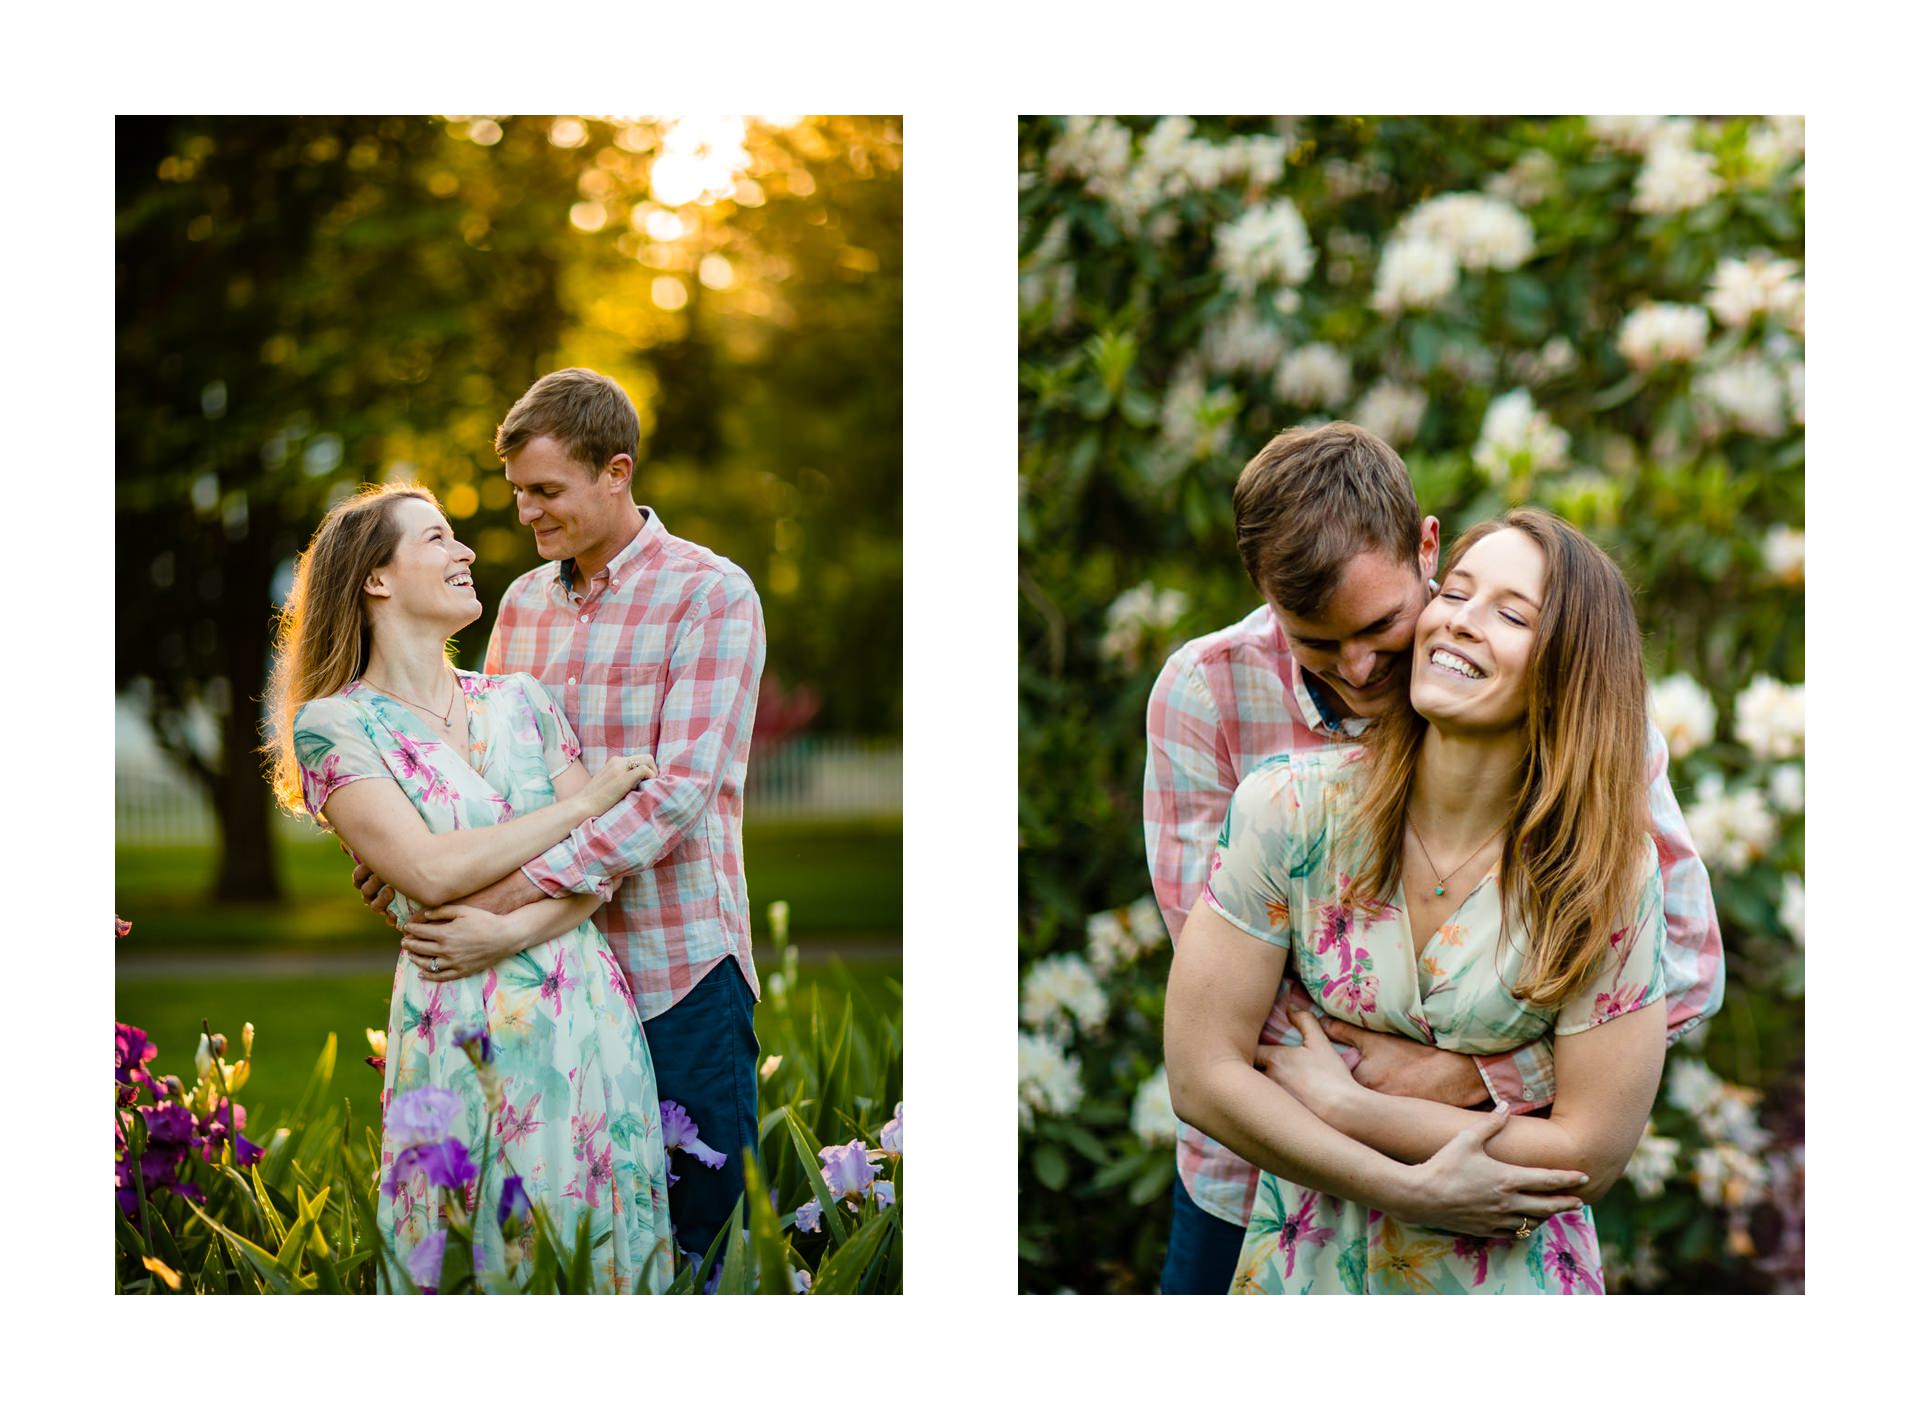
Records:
x=1440, y=890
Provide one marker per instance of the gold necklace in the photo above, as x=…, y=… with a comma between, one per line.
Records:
x=444, y=716
x=1441, y=889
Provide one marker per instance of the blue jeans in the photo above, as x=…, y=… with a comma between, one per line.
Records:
x=705, y=1057
x=1202, y=1250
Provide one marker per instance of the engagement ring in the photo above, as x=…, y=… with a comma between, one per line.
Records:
x=1525, y=1230
x=434, y=965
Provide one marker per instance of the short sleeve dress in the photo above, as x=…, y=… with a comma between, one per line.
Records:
x=577, y=1116
x=1281, y=873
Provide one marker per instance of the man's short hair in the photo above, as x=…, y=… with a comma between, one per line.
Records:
x=1312, y=500
x=588, y=414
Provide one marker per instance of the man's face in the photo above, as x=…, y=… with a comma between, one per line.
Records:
x=1360, y=642
x=570, y=512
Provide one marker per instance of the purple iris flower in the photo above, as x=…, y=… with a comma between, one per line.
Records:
x=891, y=1133
x=516, y=1210
x=132, y=1051
x=168, y=1125
x=848, y=1170
x=423, y=1264
x=245, y=1152
x=680, y=1134
x=807, y=1217
x=446, y=1164
x=477, y=1043
x=421, y=1115
x=883, y=1192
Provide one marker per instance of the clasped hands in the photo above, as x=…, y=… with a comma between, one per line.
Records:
x=463, y=939
x=1319, y=1075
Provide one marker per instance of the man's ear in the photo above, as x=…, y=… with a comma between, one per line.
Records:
x=620, y=471
x=1429, y=547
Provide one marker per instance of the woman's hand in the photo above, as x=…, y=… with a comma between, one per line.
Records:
x=614, y=780
x=452, y=942
x=1462, y=1189
x=1313, y=1073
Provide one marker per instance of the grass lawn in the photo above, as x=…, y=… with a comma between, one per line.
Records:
x=840, y=878
x=292, y=1016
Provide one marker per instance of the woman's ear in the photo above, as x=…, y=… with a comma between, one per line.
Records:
x=373, y=587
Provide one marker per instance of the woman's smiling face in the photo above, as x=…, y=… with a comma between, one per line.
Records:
x=1474, y=642
x=430, y=575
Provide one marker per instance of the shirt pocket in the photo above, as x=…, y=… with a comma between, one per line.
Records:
x=621, y=702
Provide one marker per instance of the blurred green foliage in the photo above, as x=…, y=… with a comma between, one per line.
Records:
x=308, y=303
x=1166, y=334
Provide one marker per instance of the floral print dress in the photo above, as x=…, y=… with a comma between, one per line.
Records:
x=1281, y=872
x=577, y=1116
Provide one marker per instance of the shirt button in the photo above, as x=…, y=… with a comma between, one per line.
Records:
x=570, y=681
x=1526, y=1092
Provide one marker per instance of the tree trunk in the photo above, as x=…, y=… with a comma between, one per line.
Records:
x=242, y=799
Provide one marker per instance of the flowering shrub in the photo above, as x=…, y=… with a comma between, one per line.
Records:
x=202, y=1209
x=1604, y=317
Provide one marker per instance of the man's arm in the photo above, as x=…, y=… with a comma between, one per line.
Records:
x=706, y=722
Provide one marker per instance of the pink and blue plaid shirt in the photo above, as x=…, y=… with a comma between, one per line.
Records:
x=659, y=654
x=1226, y=702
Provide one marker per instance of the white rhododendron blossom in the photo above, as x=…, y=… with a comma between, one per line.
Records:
x=1675, y=178
x=1515, y=431
x=1481, y=231
x=1629, y=134
x=1749, y=392
x=1653, y=1163
x=1722, y=1111
x=1657, y=333
x=1774, y=143
x=1119, y=937
x=1793, y=908
x=1787, y=788
x=1266, y=245
x=1728, y=1176
x=1098, y=150
x=1785, y=552
x=1532, y=178
x=1391, y=411
x=1059, y=990
x=1243, y=341
x=1742, y=290
x=1315, y=375
x=1554, y=359
x=1153, y=1120
x=1049, y=1079
x=1770, y=718
x=1136, y=613
x=1414, y=274
x=1797, y=391
x=1731, y=830
x=1681, y=710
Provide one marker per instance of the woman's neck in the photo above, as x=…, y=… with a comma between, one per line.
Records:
x=410, y=662
x=1464, y=786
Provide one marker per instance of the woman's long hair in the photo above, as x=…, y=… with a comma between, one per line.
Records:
x=324, y=635
x=1571, y=861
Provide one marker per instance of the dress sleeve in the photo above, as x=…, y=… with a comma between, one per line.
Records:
x=559, y=746
x=1633, y=974
x=334, y=748
x=1270, y=844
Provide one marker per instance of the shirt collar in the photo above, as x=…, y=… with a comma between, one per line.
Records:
x=642, y=546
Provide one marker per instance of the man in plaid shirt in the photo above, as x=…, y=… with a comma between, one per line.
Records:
x=1333, y=507
x=651, y=644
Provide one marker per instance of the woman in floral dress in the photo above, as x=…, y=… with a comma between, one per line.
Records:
x=443, y=781
x=1476, y=876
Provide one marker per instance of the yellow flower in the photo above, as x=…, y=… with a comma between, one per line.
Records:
x=377, y=1040
x=1403, y=1258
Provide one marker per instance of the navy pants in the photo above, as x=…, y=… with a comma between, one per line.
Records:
x=705, y=1057
x=1202, y=1250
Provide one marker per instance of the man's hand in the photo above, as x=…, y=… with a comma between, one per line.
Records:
x=1312, y=1072
x=1466, y=1191
x=375, y=892
x=504, y=896
x=1405, y=1067
x=454, y=941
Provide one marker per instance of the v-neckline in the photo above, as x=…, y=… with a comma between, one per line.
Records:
x=465, y=757
x=1420, y=947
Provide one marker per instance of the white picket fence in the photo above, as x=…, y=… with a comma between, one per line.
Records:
x=155, y=803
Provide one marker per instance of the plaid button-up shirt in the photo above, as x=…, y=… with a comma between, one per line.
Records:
x=660, y=654
x=1226, y=702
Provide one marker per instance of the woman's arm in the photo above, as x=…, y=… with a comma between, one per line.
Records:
x=1608, y=1075
x=378, y=821
x=467, y=940
x=1221, y=989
